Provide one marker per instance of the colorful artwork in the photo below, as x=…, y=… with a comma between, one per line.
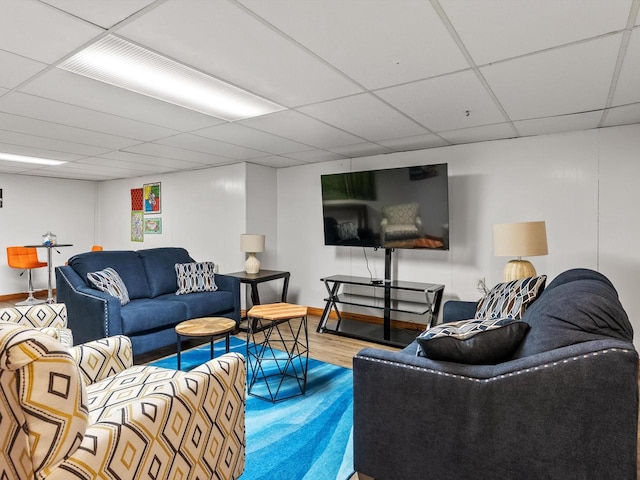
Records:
x=152, y=198
x=137, y=226
x=152, y=225
x=136, y=199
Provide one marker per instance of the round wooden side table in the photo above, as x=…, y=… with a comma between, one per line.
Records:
x=204, y=327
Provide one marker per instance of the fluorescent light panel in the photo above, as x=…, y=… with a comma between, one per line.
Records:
x=25, y=159
x=117, y=62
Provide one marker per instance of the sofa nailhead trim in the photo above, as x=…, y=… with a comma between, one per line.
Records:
x=499, y=377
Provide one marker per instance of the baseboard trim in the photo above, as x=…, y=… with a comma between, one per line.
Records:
x=22, y=295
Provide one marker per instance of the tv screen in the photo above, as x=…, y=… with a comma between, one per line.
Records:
x=392, y=208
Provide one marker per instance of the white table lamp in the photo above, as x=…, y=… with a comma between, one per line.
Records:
x=524, y=239
x=252, y=244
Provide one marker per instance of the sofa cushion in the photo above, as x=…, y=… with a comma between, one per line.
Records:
x=579, y=306
x=204, y=303
x=476, y=341
x=159, y=267
x=146, y=314
x=126, y=262
x=109, y=281
x=195, y=277
x=510, y=299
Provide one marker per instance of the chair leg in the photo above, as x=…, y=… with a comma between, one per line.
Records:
x=30, y=300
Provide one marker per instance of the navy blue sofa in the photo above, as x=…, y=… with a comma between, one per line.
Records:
x=154, y=310
x=565, y=406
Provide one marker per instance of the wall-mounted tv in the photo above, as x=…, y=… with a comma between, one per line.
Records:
x=391, y=208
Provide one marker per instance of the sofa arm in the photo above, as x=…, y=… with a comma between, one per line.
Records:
x=192, y=427
x=231, y=284
x=568, y=413
x=103, y=358
x=91, y=314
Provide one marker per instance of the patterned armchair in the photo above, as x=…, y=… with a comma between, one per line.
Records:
x=400, y=222
x=87, y=413
x=52, y=319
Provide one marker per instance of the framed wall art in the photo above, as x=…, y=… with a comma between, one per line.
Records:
x=137, y=226
x=152, y=198
x=153, y=225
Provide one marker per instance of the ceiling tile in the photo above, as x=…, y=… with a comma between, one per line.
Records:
x=52, y=111
x=84, y=92
x=40, y=32
x=416, y=142
x=361, y=150
x=99, y=12
x=174, y=153
x=224, y=40
x=313, y=156
x=479, y=134
x=301, y=128
x=572, y=79
x=276, y=161
x=623, y=115
x=44, y=143
x=441, y=103
x=374, y=42
x=251, y=138
x=366, y=116
x=32, y=151
x=137, y=168
x=15, y=123
x=627, y=89
x=563, y=123
x=16, y=69
x=484, y=27
x=207, y=145
x=145, y=160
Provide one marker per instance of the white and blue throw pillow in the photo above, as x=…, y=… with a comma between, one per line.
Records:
x=195, y=277
x=109, y=281
x=475, y=341
x=510, y=299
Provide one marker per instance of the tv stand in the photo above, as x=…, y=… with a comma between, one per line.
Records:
x=384, y=334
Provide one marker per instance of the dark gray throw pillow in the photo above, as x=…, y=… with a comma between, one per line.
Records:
x=476, y=341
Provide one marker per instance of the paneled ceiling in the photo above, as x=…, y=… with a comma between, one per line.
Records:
x=355, y=78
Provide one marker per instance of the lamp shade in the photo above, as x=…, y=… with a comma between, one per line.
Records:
x=252, y=243
x=524, y=239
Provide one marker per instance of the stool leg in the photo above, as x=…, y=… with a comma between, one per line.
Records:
x=30, y=300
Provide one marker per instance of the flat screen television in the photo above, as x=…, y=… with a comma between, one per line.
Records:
x=404, y=207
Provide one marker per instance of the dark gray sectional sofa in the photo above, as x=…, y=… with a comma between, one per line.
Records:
x=154, y=310
x=565, y=406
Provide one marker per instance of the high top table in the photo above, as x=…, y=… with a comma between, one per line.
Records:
x=50, y=298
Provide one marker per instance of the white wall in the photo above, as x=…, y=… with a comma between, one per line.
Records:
x=202, y=211
x=34, y=205
x=583, y=184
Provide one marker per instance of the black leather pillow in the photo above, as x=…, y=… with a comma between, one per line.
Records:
x=476, y=341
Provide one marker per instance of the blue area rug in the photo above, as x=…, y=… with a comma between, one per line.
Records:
x=306, y=437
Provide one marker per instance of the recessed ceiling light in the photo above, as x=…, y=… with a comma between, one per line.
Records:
x=25, y=159
x=117, y=62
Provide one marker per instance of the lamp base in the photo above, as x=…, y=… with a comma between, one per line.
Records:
x=252, y=265
x=518, y=269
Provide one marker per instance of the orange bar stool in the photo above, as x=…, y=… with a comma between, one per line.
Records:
x=96, y=248
x=25, y=258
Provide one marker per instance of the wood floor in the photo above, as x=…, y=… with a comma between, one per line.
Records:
x=322, y=346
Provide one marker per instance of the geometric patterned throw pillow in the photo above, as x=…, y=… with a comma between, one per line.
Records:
x=109, y=281
x=510, y=299
x=475, y=341
x=195, y=277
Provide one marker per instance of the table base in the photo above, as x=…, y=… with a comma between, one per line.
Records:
x=276, y=375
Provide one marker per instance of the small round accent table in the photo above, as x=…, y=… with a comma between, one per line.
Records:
x=204, y=327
